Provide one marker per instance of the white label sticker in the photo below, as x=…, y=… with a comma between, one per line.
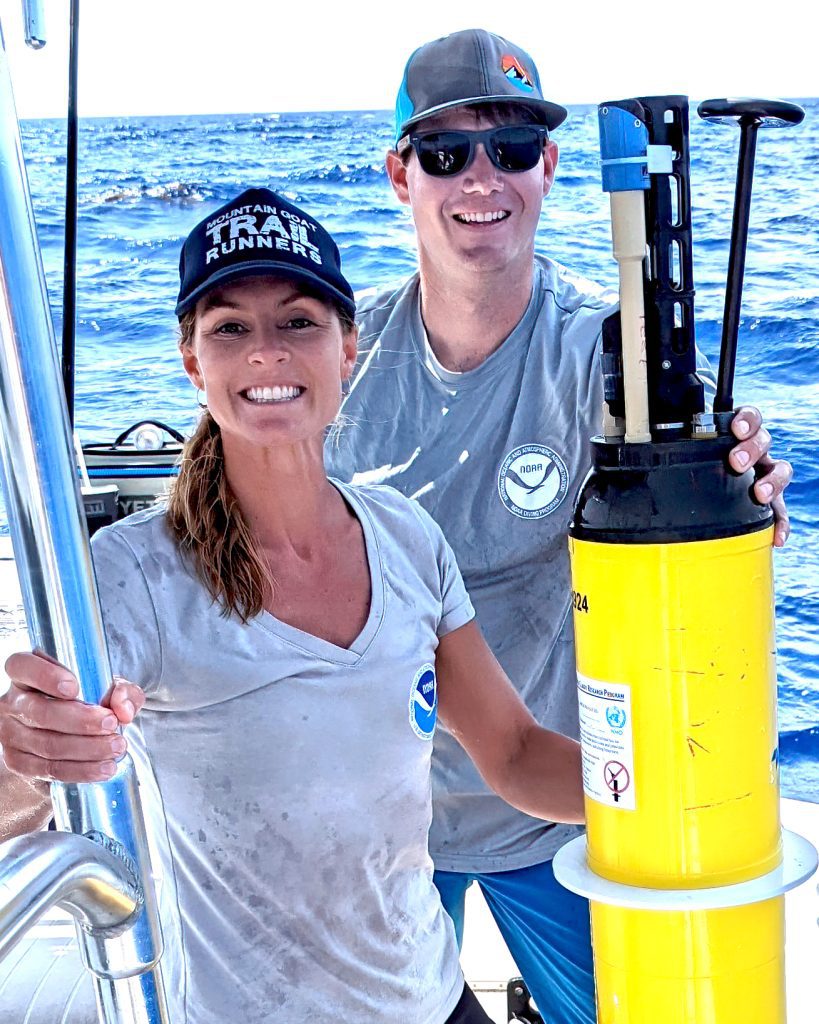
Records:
x=605, y=735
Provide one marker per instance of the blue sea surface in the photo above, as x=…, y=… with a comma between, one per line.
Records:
x=144, y=182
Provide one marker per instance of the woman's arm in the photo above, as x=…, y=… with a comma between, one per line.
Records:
x=534, y=769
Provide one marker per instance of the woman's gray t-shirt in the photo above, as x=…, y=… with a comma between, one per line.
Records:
x=286, y=780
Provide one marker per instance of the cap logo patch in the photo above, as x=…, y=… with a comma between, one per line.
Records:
x=516, y=73
x=260, y=226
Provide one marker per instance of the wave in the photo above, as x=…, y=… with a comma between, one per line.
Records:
x=784, y=348
x=174, y=191
x=799, y=221
x=803, y=741
x=799, y=761
x=341, y=174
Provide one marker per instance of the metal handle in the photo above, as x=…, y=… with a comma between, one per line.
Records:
x=749, y=115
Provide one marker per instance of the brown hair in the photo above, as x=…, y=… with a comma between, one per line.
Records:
x=207, y=522
x=206, y=519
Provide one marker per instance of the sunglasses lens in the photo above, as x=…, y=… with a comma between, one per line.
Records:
x=442, y=153
x=516, y=148
x=511, y=148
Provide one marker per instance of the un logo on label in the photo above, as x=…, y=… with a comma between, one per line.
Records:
x=533, y=481
x=616, y=717
x=423, y=702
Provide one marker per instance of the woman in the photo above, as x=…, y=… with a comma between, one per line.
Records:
x=294, y=640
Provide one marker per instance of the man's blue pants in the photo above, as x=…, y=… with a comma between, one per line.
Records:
x=546, y=929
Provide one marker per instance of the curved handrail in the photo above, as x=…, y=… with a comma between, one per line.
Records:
x=37, y=872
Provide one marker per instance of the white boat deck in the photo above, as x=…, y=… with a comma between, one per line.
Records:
x=486, y=961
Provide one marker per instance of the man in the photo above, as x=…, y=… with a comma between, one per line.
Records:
x=486, y=355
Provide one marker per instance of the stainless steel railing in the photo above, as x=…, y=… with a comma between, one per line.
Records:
x=48, y=869
x=53, y=558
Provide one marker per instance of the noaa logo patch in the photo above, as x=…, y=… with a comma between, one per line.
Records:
x=532, y=481
x=423, y=702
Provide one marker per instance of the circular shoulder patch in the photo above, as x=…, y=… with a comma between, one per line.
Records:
x=423, y=702
x=532, y=481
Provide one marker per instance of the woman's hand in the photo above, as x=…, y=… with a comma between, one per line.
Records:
x=48, y=734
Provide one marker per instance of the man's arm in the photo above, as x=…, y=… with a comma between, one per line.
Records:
x=532, y=768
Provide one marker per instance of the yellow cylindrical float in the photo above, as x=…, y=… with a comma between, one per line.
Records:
x=722, y=966
x=698, y=800
x=680, y=731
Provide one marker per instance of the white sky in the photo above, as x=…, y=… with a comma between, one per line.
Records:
x=232, y=56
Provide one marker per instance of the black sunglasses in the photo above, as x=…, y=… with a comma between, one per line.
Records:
x=514, y=147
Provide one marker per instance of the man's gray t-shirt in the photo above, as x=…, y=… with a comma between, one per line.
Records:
x=286, y=781
x=496, y=456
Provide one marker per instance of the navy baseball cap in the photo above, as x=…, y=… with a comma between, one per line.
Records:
x=465, y=68
x=260, y=233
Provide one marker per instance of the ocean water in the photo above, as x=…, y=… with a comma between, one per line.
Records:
x=144, y=182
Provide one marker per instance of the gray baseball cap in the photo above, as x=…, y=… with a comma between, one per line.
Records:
x=465, y=68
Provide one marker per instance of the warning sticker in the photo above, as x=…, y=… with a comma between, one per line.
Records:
x=605, y=735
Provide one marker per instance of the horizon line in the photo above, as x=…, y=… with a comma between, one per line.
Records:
x=339, y=110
